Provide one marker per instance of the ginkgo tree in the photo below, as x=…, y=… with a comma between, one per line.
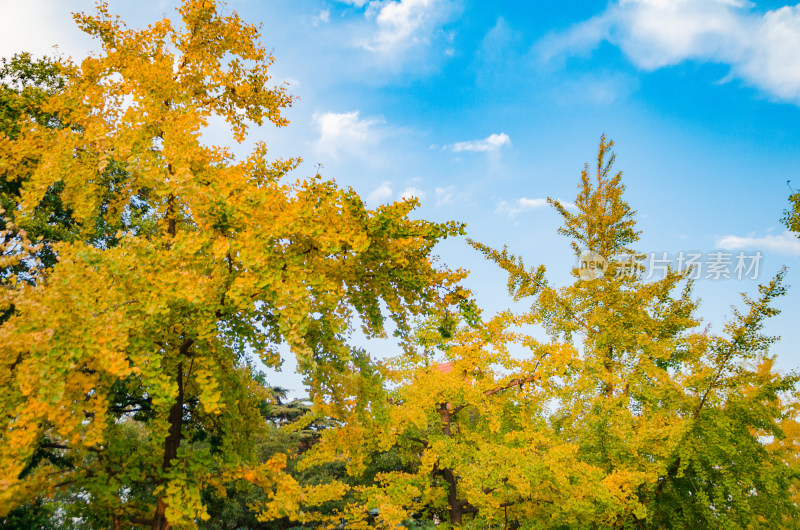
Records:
x=792, y=215
x=127, y=362
x=630, y=414
x=473, y=434
x=675, y=415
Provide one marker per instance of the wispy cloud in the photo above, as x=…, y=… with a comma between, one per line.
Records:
x=381, y=194
x=444, y=195
x=511, y=209
x=760, y=48
x=323, y=17
x=594, y=88
x=357, y=3
x=402, y=24
x=491, y=143
x=37, y=26
x=785, y=243
x=411, y=192
x=345, y=134
x=384, y=193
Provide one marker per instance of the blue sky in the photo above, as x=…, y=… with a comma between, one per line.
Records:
x=482, y=109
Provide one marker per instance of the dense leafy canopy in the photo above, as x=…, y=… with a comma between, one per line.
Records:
x=125, y=359
x=630, y=415
x=143, y=271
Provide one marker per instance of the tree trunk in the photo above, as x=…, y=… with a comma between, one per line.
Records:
x=609, y=367
x=175, y=418
x=456, y=506
x=171, y=444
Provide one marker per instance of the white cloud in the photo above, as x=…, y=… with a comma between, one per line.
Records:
x=594, y=88
x=514, y=208
x=411, y=192
x=381, y=194
x=36, y=26
x=345, y=133
x=444, y=195
x=785, y=243
x=491, y=143
x=323, y=17
x=292, y=82
x=760, y=48
x=530, y=204
x=402, y=24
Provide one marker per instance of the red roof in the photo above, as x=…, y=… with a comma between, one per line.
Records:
x=445, y=368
